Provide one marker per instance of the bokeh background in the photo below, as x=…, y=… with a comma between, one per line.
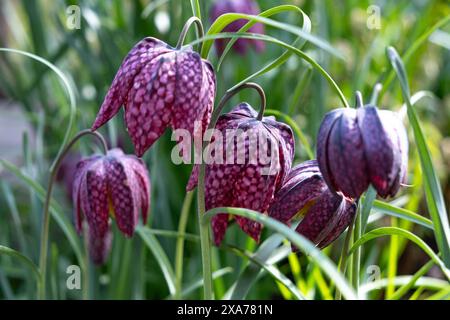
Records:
x=34, y=112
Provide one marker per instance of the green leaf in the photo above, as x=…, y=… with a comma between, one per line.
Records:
x=306, y=27
x=272, y=270
x=199, y=282
x=221, y=22
x=410, y=284
x=296, y=51
x=394, y=211
x=66, y=85
x=16, y=254
x=195, y=5
x=394, y=231
x=413, y=48
x=427, y=282
x=433, y=191
x=56, y=211
x=250, y=273
x=160, y=256
x=298, y=240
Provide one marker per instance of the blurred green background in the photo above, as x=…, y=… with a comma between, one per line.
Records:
x=34, y=110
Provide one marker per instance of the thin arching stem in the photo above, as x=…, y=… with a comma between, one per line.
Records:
x=48, y=197
x=187, y=26
x=204, y=226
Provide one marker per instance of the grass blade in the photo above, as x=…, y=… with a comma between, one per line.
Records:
x=394, y=231
x=433, y=191
x=272, y=270
x=221, y=22
x=296, y=51
x=306, y=26
x=160, y=256
x=298, y=240
x=16, y=254
x=394, y=211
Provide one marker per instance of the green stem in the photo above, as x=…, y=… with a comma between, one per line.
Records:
x=357, y=256
x=342, y=266
x=179, y=251
x=204, y=223
x=186, y=28
x=46, y=211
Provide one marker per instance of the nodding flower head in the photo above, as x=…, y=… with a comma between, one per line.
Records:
x=221, y=7
x=358, y=147
x=255, y=156
x=115, y=184
x=160, y=87
x=305, y=194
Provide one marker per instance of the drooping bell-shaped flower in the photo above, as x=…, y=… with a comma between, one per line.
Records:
x=160, y=86
x=115, y=184
x=305, y=194
x=358, y=147
x=221, y=7
x=249, y=161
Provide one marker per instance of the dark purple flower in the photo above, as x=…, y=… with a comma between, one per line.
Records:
x=358, y=147
x=305, y=194
x=160, y=87
x=221, y=7
x=115, y=184
x=242, y=176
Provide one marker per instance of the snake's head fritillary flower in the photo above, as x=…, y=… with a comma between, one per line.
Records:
x=221, y=7
x=305, y=194
x=114, y=185
x=256, y=158
x=358, y=147
x=160, y=86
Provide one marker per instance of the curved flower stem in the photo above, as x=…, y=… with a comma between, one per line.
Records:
x=187, y=26
x=46, y=210
x=180, y=243
x=203, y=223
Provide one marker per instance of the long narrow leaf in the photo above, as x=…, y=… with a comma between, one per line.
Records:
x=298, y=240
x=160, y=256
x=394, y=231
x=306, y=27
x=433, y=191
x=221, y=22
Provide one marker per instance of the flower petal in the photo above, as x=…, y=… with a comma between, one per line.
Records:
x=79, y=175
x=93, y=197
x=143, y=52
x=288, y=202
x=381, y=151
x=340, y=221
x=149, y=105
x=99, y=245
x=191, y=86
x=319, y=216
x=346, y=156
x=124, y=192
x=323, y=139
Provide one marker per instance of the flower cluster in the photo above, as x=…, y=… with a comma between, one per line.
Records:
x=161, y=86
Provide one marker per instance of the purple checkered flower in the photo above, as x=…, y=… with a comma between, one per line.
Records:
x=160, y=87
x=358, y=147
x=240, y=177
x=116, y=185
x=221, y=7
x=305, y=194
